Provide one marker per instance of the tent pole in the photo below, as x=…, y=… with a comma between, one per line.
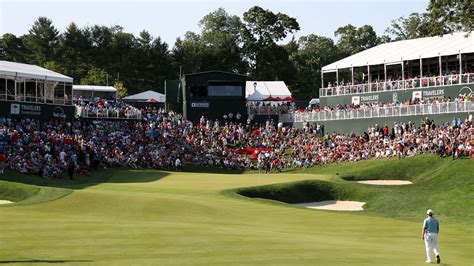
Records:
x=352, y=73
x=385, y=74
x=460, y=66
x=440, y=65
x=421, y=67
x=337, y=77
x=322, y=79
x=15, y=89
x=421, y=71
x=403, y=74
x=369, y=79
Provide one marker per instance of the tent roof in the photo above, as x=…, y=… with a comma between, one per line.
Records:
x=214, y=71
x=31, y=71
x=396, y=52
x=146, y=95
x=266, y=89
x=93, y=88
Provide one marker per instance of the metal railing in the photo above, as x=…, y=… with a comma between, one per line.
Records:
x=269, y=110
x=109, y=113
x=394, y=85
x=392, y=111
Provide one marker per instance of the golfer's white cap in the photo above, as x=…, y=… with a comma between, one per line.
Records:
x=430, y=211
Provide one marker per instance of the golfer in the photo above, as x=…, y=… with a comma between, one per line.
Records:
x=430, y=235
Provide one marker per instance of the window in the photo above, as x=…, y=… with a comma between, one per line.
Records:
x=224, y=90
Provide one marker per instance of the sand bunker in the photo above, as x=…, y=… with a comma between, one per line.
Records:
x=5, y=202
x=385, y=182
x=334, y=205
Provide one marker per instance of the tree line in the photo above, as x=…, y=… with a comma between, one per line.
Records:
x=251, y=44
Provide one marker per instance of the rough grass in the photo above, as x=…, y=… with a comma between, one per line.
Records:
x=15, y=191
x=146, y=217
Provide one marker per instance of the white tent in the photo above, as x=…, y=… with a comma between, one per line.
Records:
x=396, y=52
x=30, y=71
x=147, y=95
x=94, y=91
x=259, y=90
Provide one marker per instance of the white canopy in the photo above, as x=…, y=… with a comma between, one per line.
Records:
x=31, y=71
x=147, y=95
x=396, y=52
x=93, y=88
x=265, y=89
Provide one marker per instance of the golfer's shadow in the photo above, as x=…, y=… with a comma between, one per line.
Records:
x=42, y=261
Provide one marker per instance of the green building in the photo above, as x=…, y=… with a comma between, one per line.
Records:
x=211, y=94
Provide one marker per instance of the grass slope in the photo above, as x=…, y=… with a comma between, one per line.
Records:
x=158, y=218
x=443, y=185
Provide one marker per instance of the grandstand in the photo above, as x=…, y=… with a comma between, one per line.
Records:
x=29, y=90
x=398, y=81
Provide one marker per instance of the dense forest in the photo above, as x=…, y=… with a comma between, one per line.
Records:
x=251, y=44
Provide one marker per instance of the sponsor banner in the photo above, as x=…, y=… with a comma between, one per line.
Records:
x=356, y=100
x=39, y=111
x=200, y=105
x=433, y=93
x=369, y=98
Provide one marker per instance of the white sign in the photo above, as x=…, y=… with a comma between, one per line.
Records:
x=433, y=93
x=370, y=98
x=15, y=109
x=416, y=94
x=200, y=105
x=356, y=100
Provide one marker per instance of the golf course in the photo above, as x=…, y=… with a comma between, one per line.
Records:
x=204, y=216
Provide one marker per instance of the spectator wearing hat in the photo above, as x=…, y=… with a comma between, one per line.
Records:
x=430, y=235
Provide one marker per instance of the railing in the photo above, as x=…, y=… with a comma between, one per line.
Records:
x=394, y=85
x=108, y=113
x=269, y=110
x=32, y=99
x=418, y=109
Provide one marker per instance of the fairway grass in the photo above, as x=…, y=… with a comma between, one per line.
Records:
x=139, y=217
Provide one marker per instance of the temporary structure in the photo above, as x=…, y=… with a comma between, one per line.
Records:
x=266, y=91
x=146, y=96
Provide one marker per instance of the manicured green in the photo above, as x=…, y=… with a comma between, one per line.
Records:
x=158, y=218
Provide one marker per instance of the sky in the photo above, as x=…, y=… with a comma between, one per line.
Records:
x=172, y=19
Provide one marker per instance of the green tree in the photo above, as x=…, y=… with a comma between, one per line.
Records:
x=312, y=54
x=54, y=66
x=95, y=76
x=353, y=40
x=188, y=53
x=263, y=29
x=448, y=16
x=416, y=25
x=121, y=90
x=42, y=42
x=220, y=37
x=74, y=51
x=151, y=63
x=12, y=48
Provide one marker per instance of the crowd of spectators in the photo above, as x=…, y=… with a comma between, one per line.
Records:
x=165, y=140
x=462, y=98
x=270, y=107
x=108, y=108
